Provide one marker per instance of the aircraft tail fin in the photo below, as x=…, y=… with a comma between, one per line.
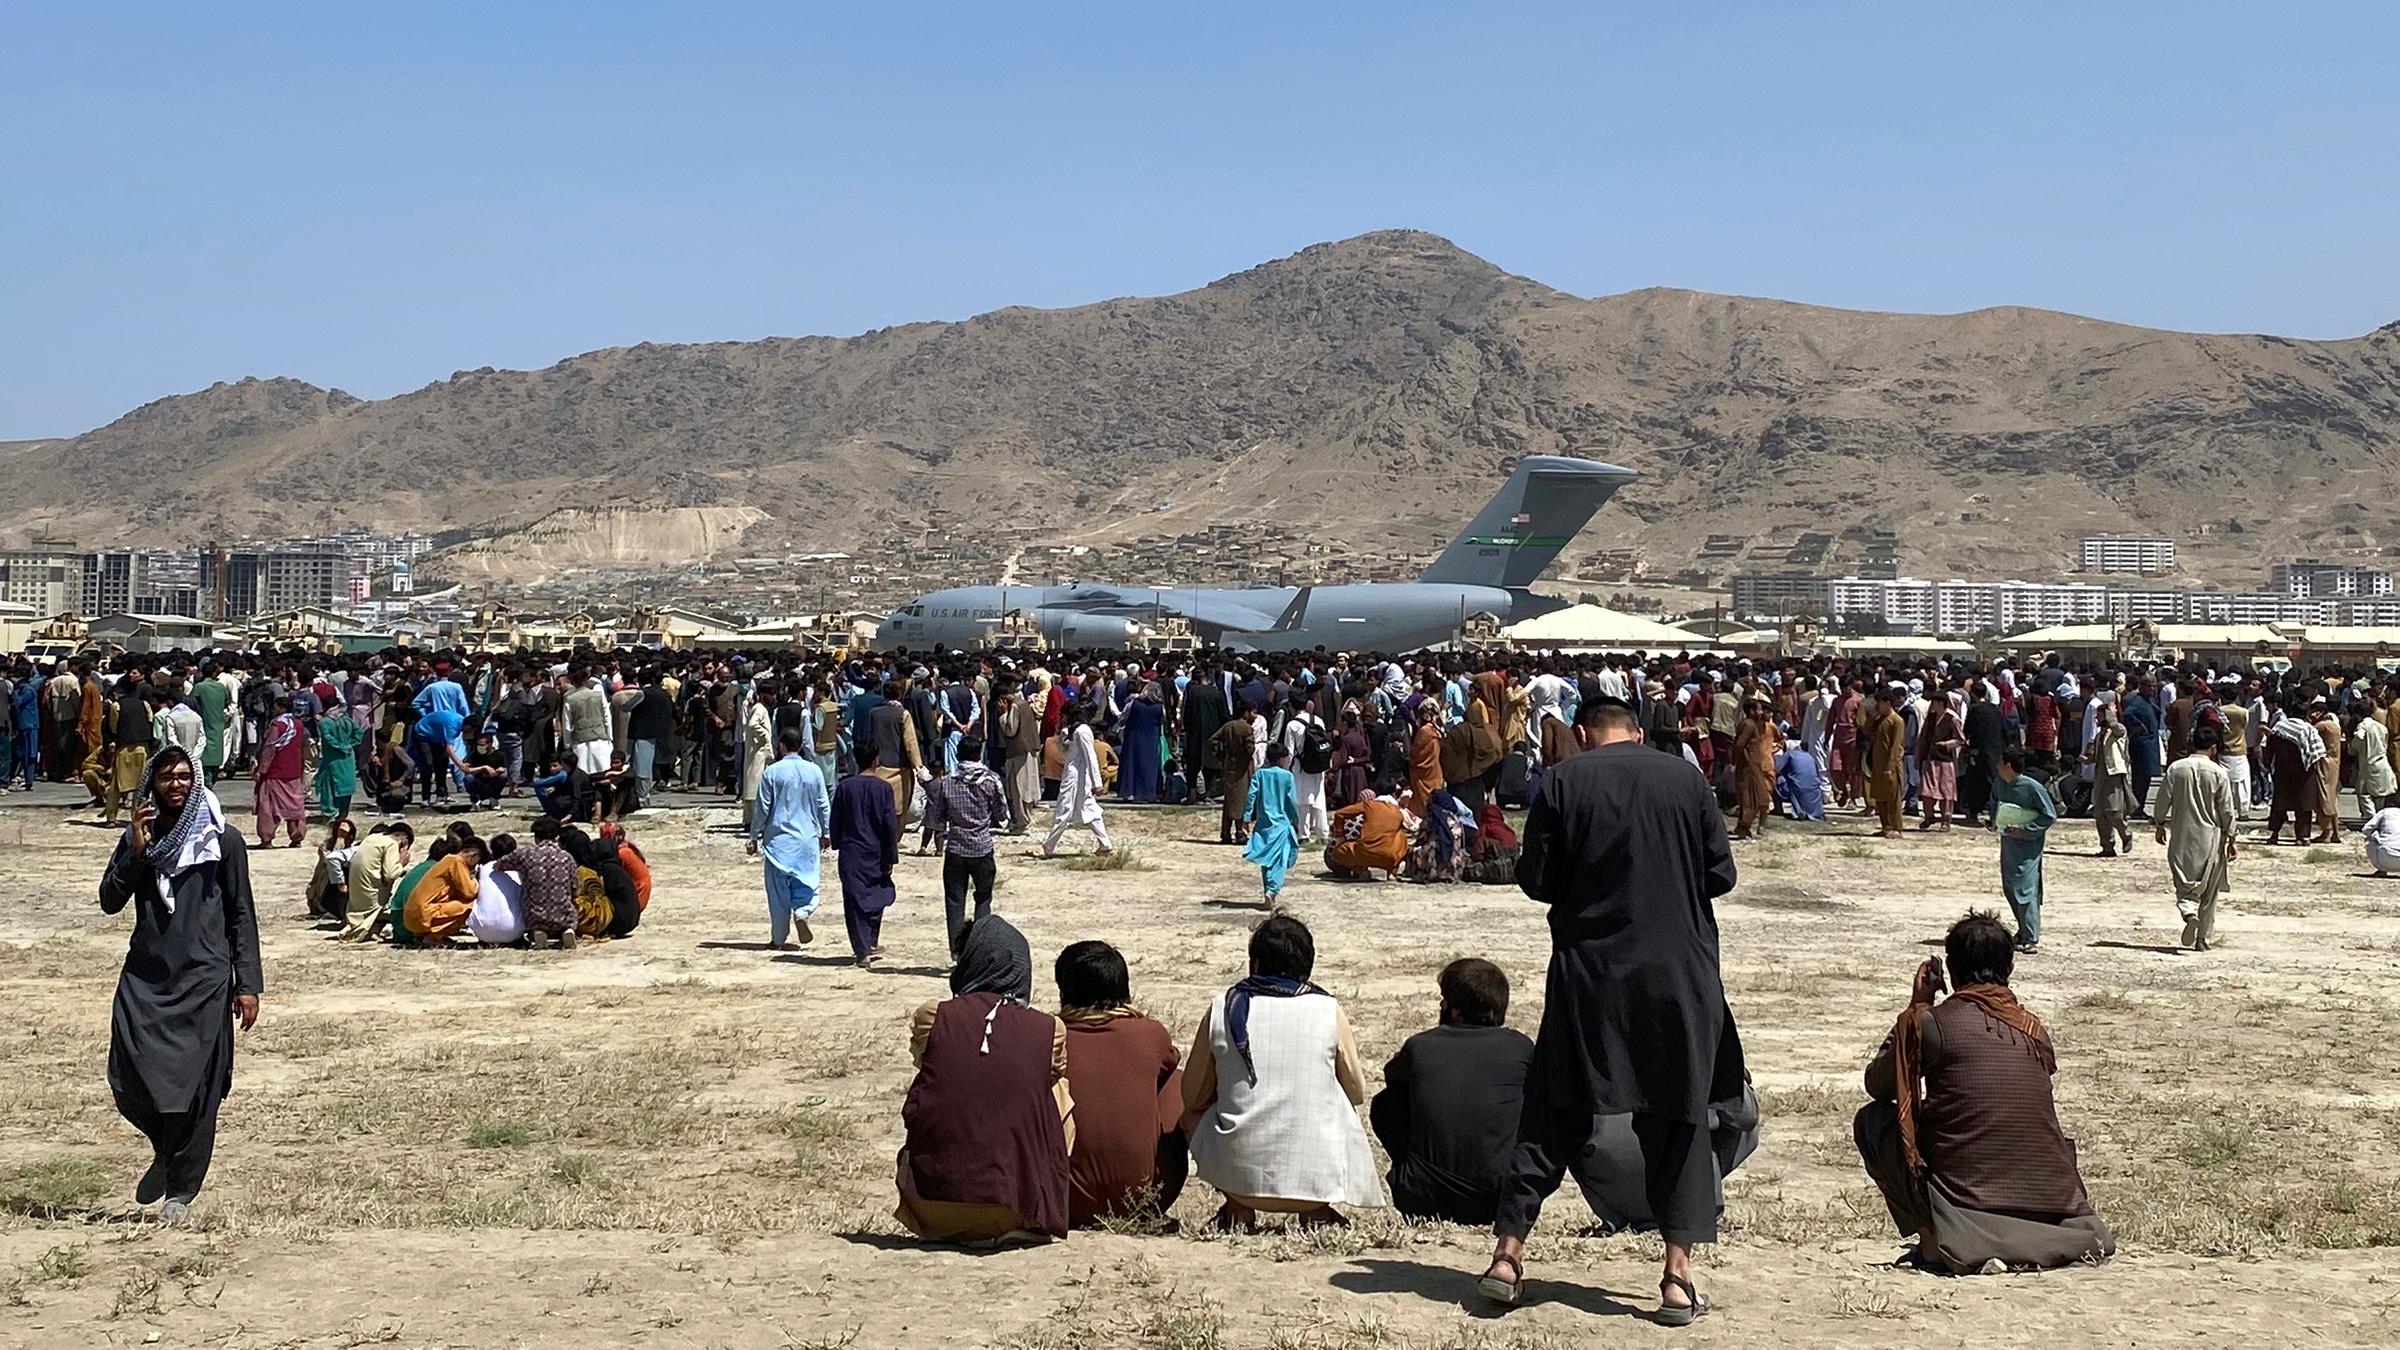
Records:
x=1294, y=614
x=1543, y=505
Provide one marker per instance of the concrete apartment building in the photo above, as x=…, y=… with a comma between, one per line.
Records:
x=2132, y=554
x=1779, y=595
x=255, y=581
x=113, y=581
x=1953, y=608
x=47, y=576
x=2309, y=577
x=1910, y=605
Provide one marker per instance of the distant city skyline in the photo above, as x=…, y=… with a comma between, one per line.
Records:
x=372, y=199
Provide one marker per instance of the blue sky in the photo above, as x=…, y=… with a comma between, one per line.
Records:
x=374, y=196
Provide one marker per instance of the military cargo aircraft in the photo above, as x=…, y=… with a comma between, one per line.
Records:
x=1488, y=569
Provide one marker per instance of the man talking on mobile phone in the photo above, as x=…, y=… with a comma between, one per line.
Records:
x=191, y=973
x=1962, y=1136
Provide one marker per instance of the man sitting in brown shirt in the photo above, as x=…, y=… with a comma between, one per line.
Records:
x=1963, y=1136
x=1130, y=1156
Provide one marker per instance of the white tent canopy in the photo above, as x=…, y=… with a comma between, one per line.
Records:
x=1594, y=627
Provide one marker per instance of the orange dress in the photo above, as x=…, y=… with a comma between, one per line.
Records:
x=1424, y=766
x=439, y=905
x=1368, y=834
x=637, y=869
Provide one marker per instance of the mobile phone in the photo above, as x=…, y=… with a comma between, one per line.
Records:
x=1941, y=977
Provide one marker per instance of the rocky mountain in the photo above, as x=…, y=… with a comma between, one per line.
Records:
x=1369, y=387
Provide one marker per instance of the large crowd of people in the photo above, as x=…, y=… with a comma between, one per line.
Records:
x=1021, y=1125
x=1386, y=766
x=1637, y=777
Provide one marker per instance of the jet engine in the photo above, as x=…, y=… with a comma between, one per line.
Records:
x=1067, y=628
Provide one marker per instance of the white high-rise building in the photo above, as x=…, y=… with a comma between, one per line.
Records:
x=2134, y=554
x=2307, y=576
x=47, y=576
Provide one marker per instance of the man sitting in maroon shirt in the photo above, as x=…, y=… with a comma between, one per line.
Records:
x=1963, y=1136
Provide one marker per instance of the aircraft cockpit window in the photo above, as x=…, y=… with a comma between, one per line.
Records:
x=913, y=611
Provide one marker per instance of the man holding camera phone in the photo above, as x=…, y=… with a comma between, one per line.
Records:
x=1962, y=1136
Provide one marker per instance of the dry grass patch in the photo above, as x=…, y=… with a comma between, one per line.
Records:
x=61, y=1265
x=1783, y=980
x=628, y=1143
x=1368, y=1230
x=2236, y=1177
x=1857, y=1300
x=309, y=1036
x=1818, y=1100
x=500, y=1134
x=56, y=1189
x=1115, y=860
x=1760, y=1214
x=2219, y=1143
x=817, y=1138
x=138, y=1295
x=1148, y=1219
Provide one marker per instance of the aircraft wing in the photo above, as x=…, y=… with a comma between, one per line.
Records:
x=1203, y=608
x=1218, y=612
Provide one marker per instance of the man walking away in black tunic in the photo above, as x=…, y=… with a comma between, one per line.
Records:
x=191, y=973
x=1627, y=848
x=1987, y=736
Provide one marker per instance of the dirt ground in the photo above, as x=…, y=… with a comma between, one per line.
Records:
x=686, y=1140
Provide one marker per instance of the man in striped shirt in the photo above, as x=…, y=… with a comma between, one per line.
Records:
x=961, y=807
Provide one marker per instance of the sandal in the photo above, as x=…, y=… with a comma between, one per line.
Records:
x=1504, y=1292
x=1698, y=1308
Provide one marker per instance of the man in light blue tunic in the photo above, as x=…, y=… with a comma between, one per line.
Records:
x=1273, y=805
x=790, y=824
x=2022, y=813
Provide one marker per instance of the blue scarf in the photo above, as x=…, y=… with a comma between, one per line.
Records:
x=1237, y=1009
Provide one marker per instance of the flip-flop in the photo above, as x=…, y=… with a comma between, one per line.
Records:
x=1504, y=1292
x=1682, y=1317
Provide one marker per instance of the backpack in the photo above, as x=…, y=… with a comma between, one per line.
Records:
x=1516, y=779
x=1316, y=748
x=515, y=712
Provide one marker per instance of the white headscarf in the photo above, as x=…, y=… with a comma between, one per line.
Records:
x=195, y=839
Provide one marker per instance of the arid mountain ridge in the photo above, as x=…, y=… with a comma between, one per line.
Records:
x=1372, y=388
